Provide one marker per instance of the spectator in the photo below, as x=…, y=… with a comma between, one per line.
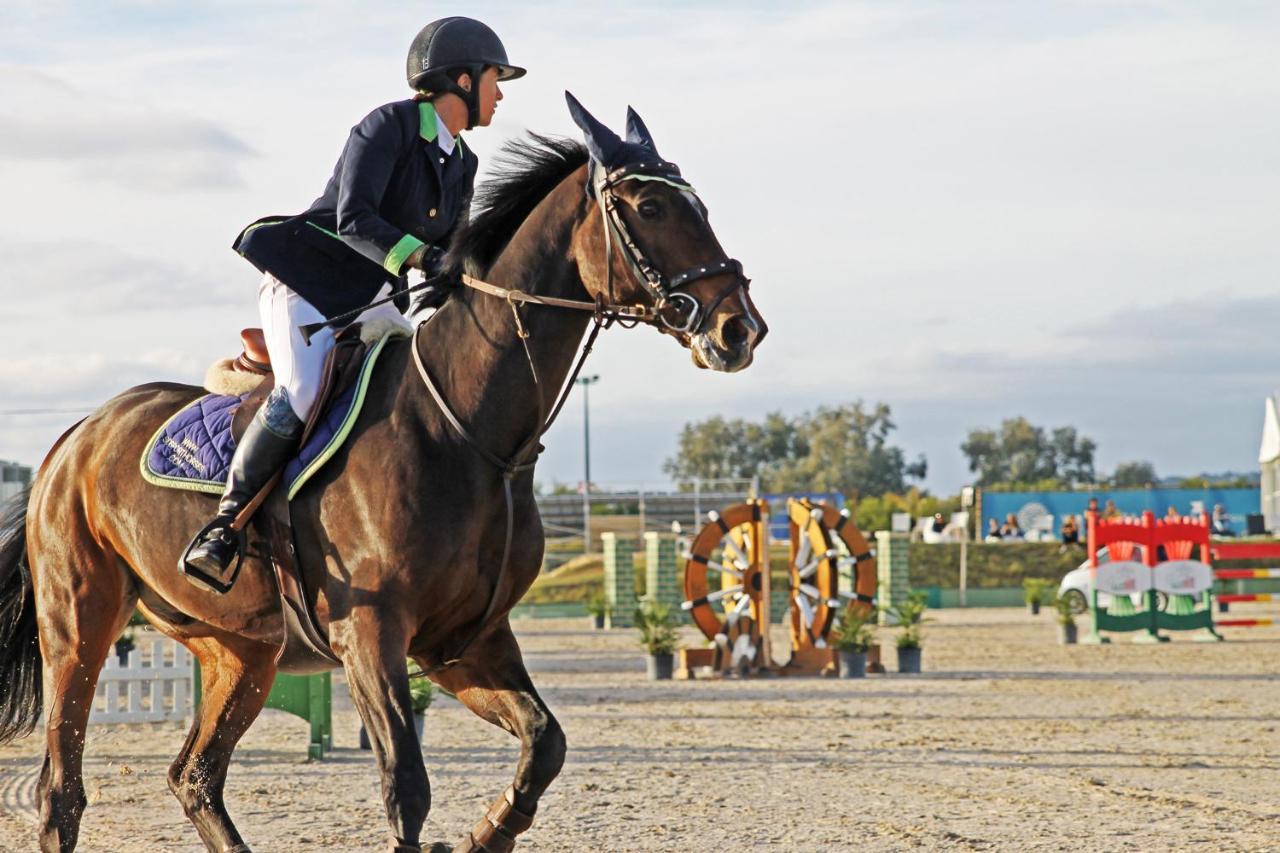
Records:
x=1221, y=523
x=1010, y=529
x=1172, y=514
x=939, y=523
x=1070, y=531
x=1111, y=513
x=993, y=530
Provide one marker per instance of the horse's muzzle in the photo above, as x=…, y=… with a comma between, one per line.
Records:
x=730, y=346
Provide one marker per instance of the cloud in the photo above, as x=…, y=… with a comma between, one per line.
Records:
x=104, y=138
x=87, y=279
x=88, y=378
x=44, y=395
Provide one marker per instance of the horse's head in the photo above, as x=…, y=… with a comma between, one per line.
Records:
x=659, y=249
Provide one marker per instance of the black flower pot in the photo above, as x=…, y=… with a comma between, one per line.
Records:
x=1034, y=607
x=598, y=621
x=909, y=660
x=122, y=652
x=1067, y=633
x=852, y=664
x=660, y=666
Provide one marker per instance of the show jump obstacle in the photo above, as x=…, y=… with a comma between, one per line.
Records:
x=728, y=590
x=1163, y=568
x=1244, y=551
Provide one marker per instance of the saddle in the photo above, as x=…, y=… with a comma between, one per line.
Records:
x=305, y=645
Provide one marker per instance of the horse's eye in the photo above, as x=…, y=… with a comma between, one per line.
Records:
x=649, y=209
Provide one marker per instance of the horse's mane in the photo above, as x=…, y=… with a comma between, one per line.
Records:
x=526, y=171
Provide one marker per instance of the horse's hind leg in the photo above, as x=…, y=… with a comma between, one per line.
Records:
x=83, y=601
x=236, y=677
x=493, y=683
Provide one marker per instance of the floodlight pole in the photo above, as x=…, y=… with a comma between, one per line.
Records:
x=966, y=501
x=586, y=382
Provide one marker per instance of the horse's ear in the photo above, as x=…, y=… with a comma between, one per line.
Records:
x=602, y=142
x=638, y=133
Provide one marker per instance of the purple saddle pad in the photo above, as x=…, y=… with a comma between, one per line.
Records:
x=194, y=447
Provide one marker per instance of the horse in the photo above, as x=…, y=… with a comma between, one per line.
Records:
x=425, y=521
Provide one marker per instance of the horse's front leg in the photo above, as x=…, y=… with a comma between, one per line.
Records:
x=373, y=655
x=492, y=681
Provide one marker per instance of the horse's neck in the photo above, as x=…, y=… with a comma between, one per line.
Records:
x=472, y=348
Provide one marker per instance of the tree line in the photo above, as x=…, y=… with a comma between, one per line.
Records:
x=849, y=448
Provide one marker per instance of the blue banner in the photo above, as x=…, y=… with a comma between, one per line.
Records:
x=1032, y=508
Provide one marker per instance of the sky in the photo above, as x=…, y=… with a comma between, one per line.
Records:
x=970, y=211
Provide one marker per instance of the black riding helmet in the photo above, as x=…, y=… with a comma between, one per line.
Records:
x=453, y=45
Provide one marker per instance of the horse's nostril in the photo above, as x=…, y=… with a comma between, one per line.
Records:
x=734, y=333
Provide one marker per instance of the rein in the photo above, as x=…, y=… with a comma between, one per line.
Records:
x=662, y=290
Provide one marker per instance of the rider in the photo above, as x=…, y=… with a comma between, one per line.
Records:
x=399, y=190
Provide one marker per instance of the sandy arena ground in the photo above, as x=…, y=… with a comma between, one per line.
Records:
x=1008, y=742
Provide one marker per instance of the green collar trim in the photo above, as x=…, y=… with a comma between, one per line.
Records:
x=427, y=119
x=428, y=123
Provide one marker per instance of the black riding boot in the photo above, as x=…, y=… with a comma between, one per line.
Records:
x=211, y=561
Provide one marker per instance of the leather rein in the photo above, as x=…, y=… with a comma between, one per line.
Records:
x=690, y=316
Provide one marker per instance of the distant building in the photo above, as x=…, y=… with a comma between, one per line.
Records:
x=13, y=478
x=1269, y=460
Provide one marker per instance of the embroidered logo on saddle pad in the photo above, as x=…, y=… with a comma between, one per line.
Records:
x=192, y=450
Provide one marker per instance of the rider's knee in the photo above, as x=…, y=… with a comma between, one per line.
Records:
x=280, y=414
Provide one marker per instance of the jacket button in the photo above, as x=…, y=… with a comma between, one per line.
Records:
x=431, y=213
x=442, y=160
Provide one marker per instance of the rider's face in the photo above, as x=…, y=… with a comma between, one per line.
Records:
x=490, y=94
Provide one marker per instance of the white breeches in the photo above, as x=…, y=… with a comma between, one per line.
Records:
x=299, y=366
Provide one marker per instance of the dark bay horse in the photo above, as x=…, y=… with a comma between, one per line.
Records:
x=408, y=520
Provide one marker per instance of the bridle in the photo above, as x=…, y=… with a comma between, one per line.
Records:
x=689, y=313
x=671, y=309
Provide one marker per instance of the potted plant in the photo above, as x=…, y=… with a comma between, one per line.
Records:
x=909, y=615
x=1035, y=591
x=124, y=645
x=598, y=609
x=658, y=636
x=852, y=639
x=421, y=694
x=1066, y=619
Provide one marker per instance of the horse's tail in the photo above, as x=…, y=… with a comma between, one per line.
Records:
x=21, y=689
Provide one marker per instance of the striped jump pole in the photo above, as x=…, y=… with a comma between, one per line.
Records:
x=1225, y=600
x=1245, y=574
x=1244, y=551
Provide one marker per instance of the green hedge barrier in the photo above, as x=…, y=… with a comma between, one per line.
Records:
x=995, y=564
x=991, y=564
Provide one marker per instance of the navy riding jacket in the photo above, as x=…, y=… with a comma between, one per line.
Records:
x=392, y=191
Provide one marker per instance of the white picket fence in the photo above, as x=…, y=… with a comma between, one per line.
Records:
x=155, y=685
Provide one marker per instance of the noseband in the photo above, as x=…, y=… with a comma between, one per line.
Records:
x=689, y=314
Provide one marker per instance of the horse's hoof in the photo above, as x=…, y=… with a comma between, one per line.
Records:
x=401, y=847
x=440, y=847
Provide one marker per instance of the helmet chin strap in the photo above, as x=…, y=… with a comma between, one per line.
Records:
x=469, y=97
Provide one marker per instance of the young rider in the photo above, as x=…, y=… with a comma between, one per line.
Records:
x=400, y=188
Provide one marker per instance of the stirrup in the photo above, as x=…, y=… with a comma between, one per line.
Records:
x=202, y=579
